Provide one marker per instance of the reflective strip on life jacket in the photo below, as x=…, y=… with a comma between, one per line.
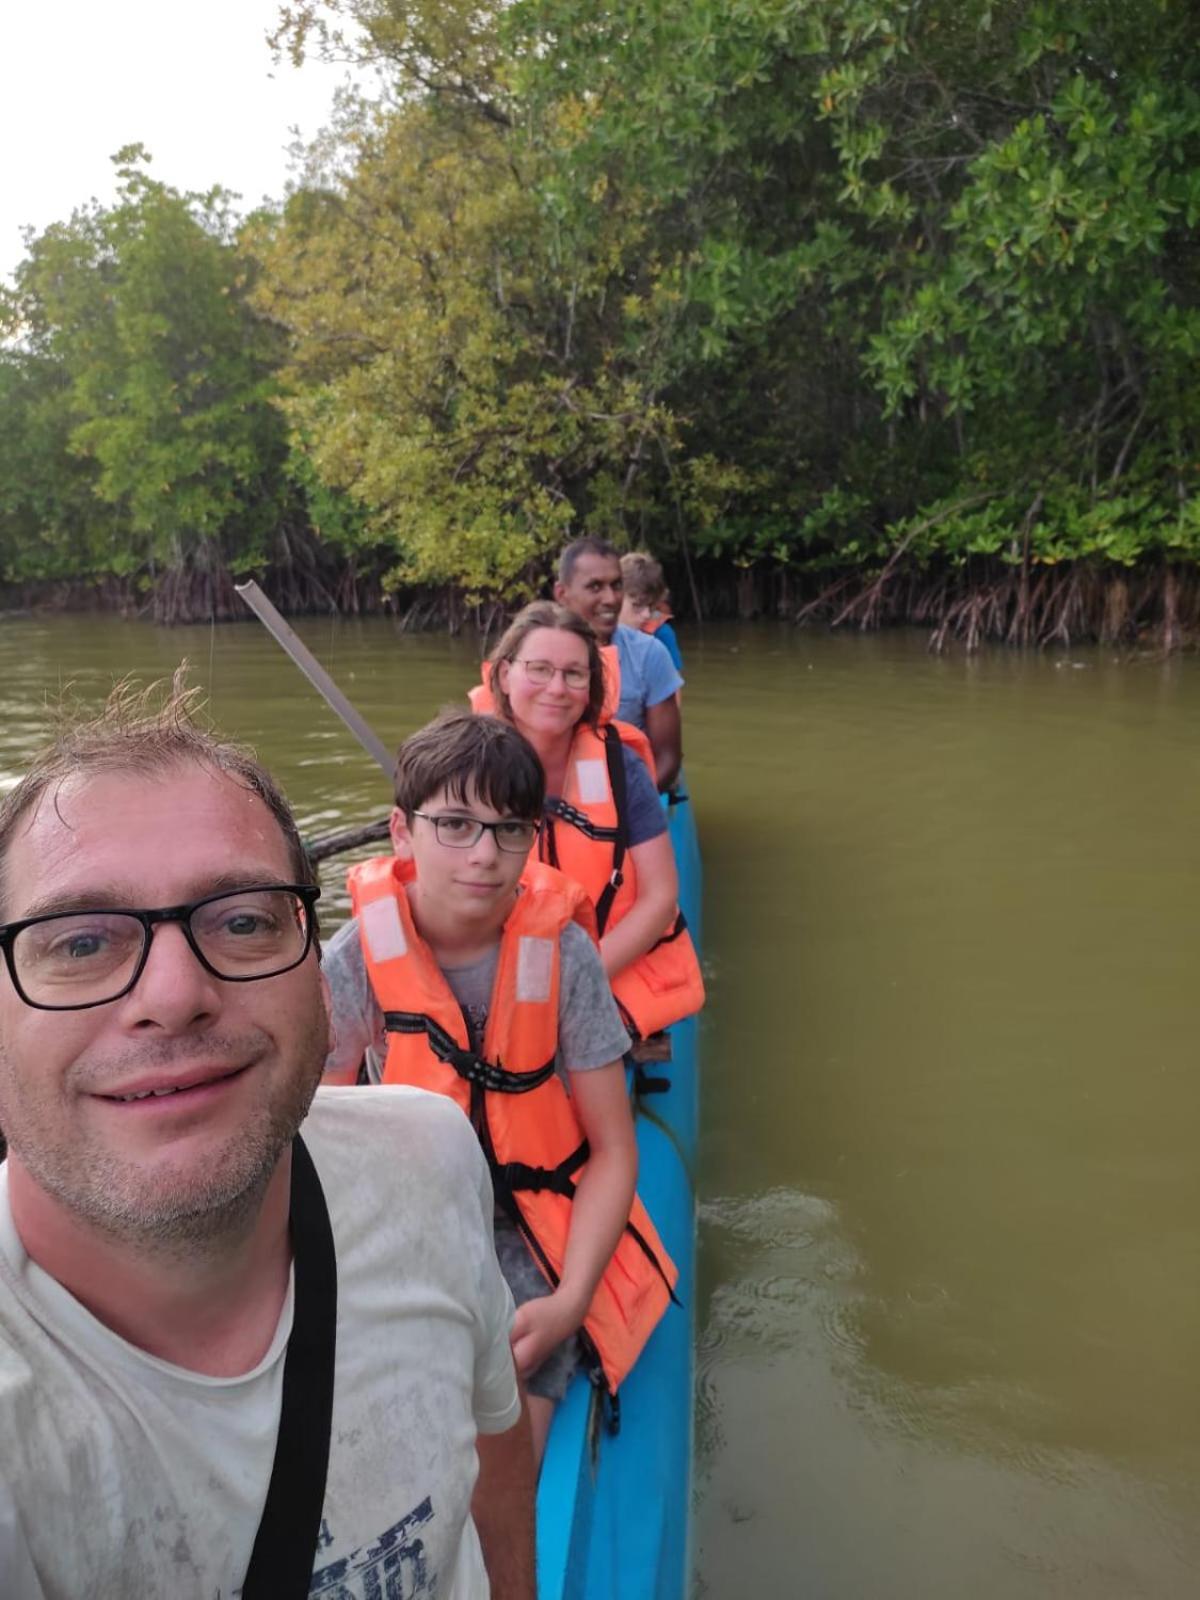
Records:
x=515, y=1099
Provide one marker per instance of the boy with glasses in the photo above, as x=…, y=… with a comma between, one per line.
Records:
x=468, y=971
x=251, y=1341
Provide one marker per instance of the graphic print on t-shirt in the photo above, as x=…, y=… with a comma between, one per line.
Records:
x=394, y=1567
x=476, y=1015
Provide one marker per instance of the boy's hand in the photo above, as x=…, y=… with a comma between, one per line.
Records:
x=541, y=1324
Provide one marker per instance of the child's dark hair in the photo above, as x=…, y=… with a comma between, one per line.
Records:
x=468, y=755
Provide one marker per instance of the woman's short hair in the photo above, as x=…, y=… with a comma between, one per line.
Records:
x=547, y=614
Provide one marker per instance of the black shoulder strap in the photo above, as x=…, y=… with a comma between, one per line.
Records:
x=615, y=756
x=281, y=1563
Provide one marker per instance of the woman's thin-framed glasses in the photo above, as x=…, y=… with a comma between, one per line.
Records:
x=543, y=672
x=460, y=833
x=71, y=960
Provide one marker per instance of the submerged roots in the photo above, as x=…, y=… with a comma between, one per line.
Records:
x=1043, y=605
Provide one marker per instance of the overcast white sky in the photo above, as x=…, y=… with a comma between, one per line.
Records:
x=194, y=83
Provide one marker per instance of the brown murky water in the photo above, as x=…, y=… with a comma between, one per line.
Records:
x=950, y=1222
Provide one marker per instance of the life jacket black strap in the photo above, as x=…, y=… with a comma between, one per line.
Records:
x=467, y=1063
x=547, y=842
x=515, y=1177
x=519, y=1177
x=614, y=756
x=581, y=820
x=675, y=931
x=647, y=1083
x=644, y=1245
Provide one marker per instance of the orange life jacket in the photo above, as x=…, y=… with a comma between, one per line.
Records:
x=516, y=1101
x=586, y=835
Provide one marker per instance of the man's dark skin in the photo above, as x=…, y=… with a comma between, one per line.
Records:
x=593, y=592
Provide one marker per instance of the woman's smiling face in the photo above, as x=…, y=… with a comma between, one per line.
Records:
x=552, y=707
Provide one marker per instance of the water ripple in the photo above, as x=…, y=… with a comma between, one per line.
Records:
x=776, y=1217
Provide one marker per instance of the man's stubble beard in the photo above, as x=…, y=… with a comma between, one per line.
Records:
x=189, y=1215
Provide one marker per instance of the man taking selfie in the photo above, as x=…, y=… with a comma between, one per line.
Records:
x=251, y=1342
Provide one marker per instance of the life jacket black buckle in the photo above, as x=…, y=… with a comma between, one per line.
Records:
x=612, y=1413
x=644, y=1084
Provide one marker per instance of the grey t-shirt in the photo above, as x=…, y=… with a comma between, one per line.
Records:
x=590, y=1032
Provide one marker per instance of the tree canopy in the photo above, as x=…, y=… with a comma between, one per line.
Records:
x=892, y=308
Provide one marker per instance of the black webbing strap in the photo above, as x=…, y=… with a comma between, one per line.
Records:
x=518, y=1176
x=515, y=1177
x=616, y=777
x=466, y=1063
x=281, y=1562
x=563, y=809
x=547, y=843
x=675, y=931
x=644, y=1245
x=647, y=1083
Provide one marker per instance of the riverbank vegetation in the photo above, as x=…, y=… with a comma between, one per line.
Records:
x=851, y=311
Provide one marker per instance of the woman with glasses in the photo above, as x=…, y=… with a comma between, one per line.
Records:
x=604, y=825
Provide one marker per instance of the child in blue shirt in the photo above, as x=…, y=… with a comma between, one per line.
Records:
x=645, y=605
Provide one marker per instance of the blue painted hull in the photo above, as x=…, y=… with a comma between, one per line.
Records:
x=614, y=1512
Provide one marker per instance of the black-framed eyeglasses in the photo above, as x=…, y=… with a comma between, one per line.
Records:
x=70, y=960
x=460, y=833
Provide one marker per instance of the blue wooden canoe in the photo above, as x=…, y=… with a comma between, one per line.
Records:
x=614, y=1512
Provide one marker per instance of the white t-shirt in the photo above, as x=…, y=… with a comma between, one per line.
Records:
x=125, y=1478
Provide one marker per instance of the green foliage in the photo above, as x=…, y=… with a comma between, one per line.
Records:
x=865, y=278
x=141, y=433
x=806, y=287
x=443, y=375
x=167, y=374
x=51, y=523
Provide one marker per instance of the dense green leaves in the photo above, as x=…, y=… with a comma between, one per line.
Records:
x=806, y=288
x=142, y=437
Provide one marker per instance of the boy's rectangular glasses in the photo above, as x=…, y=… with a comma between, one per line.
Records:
x=460, y=833
x=70, y=960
